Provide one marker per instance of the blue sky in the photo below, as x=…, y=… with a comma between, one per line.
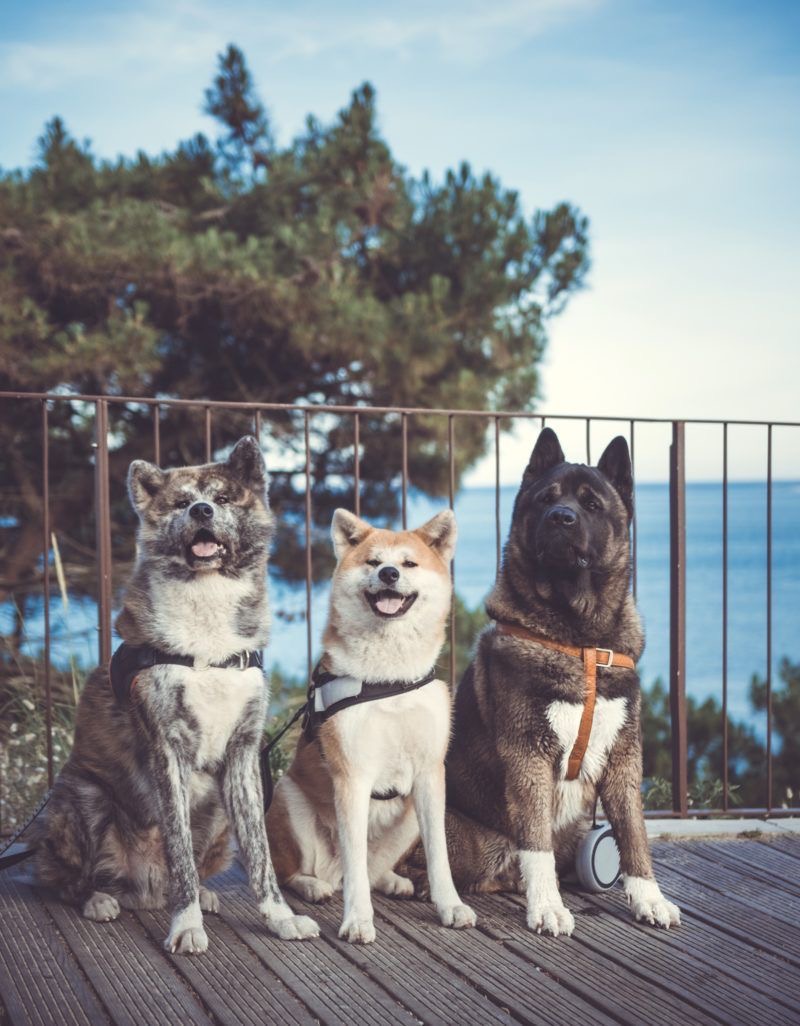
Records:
x=674, y=125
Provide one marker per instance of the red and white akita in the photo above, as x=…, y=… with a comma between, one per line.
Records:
x=368, y=774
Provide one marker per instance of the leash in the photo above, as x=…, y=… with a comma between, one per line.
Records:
x=6, y=861
x=589, y=657
x=266, y=770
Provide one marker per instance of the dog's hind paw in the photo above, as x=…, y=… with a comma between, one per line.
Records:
x=209, y=900
x=358, y=931
x=101, y=907
x=293, y=928
x=311, y=888
x=551, y=917
x=460, y=917
x=649, y=905
x=395, y=886
x=192, y=941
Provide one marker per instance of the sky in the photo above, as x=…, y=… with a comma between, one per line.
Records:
x=674, y=126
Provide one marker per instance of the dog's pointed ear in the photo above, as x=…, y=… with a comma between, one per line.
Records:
x=615, y=464
x=246, y=463
x=347, y=531
x=145, y=481
x=547, y=453
x=440, y=534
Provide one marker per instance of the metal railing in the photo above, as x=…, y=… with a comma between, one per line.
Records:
x=495, y=421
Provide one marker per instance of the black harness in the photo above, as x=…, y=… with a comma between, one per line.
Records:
x=313, y=719
x=130, y=660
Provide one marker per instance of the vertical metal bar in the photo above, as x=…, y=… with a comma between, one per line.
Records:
x=103, y=530
x=588, y=441
x=258, y=426
x=48, y=692
x=405, y=470
x=357, y=463
x=157, y=434
x=725, y=782
x=677, y=617
x=497, y=493
x=452, y=492
x=309, y=567
x=633, y=522
x=769, y=618
x=208, y=434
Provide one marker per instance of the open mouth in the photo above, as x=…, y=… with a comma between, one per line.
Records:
x=390, y=604
x=205, y=545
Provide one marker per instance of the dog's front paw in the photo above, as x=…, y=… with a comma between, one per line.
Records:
x=209, y=900
x=395, y=886
x=293, y=928
x=101, y=907
x=649, y=905
x=357, y=931
x=191, y=941
x=460, y=917
x=551, y=916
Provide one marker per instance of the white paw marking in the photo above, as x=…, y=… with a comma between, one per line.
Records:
x=192, y=941
x=460, y=917
x=209, y=900
x=293, y=928
x=648, y=904
x=551, y=917
x=101, y=907
x=395, y=886
x=357, y=931
x=312, y=888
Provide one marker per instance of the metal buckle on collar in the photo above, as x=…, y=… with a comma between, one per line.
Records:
x=610, y=653
x=244, y=659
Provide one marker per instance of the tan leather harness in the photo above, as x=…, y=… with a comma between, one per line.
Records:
x=590, y=664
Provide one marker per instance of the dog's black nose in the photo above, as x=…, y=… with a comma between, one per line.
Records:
x=389, y=574
x=201, y=511
x=562, y=515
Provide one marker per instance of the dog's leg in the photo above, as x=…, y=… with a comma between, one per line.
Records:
x=351, y=796
x=429, y=801
x=243, y=797
x=529, y=798
x=172, y=772
x=622, y=801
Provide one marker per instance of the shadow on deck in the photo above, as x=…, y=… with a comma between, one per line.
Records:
x=735, y=958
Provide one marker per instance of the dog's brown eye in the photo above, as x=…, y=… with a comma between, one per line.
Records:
x=373, y=562
x=591, y=505
x=181, y=503
x=407, y=563
x=222, y=499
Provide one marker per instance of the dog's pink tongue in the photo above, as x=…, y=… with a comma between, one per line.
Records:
x=204, y=549
x=389, y=606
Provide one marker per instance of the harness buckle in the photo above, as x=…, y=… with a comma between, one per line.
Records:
x=610, y=653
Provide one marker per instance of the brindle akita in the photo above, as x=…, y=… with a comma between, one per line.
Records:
x=514, y=812
x=140, y=812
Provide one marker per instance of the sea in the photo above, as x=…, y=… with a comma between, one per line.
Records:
x=75, y=635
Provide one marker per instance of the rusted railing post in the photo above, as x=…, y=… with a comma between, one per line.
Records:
x=677, y=617
x=103, y=530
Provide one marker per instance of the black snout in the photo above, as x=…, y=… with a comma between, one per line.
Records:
x=201, y=511
x=562, y=515
x=389, y=574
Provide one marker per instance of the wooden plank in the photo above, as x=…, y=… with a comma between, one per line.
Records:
x=730, y=878
x=40, y=981
x=788, y=843
x=593, y=968
x=513, y=982
x=757, y=860
x=229, y=979
x=407, y=972
x=134, y=982
x=731, y=914
x=348, y=995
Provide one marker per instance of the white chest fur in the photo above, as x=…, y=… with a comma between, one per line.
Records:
x=217, y=699
x=565, y=718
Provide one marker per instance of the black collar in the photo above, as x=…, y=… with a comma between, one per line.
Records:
x=129, y=660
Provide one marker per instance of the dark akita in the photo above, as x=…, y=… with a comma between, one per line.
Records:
x=167, y=741
x=532, y=748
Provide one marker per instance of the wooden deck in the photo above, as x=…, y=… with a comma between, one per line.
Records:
x=735, y=959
